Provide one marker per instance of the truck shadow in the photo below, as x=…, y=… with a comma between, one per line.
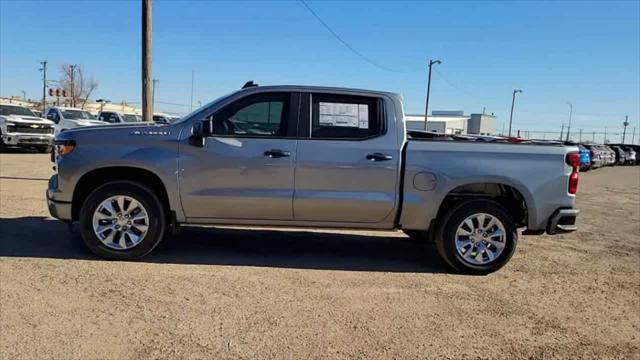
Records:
x=42, y=237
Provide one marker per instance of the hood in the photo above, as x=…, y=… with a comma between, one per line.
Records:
x=103, y=127
x=27, y=119
x=121, y=133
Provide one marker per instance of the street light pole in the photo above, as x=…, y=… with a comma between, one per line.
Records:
x=44, y=85
x=426, y=107
x=24, y=95
x=513, y=101
x=570, y=115
x=625, y=123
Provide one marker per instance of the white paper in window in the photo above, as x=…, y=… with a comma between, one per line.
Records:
x=363, y=116
x=339, y=114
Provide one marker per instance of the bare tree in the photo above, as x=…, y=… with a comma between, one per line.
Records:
x=78, y=87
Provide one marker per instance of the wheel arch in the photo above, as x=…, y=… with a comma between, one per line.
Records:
x=517, y=201
x=94, y=178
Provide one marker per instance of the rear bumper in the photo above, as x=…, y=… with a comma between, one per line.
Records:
x=563, y=221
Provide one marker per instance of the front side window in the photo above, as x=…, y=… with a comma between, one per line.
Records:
x=108, y=117
x=259, y=115
x=53, y=115
x=345, y=117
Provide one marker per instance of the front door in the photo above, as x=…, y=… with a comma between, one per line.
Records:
x=245, y=169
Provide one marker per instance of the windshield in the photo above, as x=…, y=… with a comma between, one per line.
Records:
x=15, y=110
x=131, y=118
x=77, y=114
x=203, y=111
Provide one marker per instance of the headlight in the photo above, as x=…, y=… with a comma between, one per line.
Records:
x=64, y=147
x=11, y=127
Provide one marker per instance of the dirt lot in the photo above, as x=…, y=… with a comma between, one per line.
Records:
x=238, y=293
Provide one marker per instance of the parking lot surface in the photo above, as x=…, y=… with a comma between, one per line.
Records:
x=256, y=293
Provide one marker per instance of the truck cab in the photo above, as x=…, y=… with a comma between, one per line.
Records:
x=68, y=118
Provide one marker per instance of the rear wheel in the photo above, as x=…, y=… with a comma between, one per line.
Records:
x=122, y=220
x=476, y=237
x=43, y=149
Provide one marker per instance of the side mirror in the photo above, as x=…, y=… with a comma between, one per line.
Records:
x=200, y=130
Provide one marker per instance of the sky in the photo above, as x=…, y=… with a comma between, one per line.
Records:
x=586, y=53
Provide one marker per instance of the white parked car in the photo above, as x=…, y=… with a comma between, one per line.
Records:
x=69, y=118
x=19, y=127
x=115, y=117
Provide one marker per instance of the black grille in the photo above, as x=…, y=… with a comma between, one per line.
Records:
x=33, y=129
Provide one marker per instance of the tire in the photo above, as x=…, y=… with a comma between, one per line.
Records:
x=447, y=234
x=44, y=149
x=149, y=204
x=3, y=146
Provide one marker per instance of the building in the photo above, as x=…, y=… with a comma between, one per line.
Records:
x=454, y=122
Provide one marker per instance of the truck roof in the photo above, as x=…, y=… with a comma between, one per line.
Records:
x=312, y=88
x=67, y=108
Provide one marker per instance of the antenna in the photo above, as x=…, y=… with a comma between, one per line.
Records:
x=249, y=84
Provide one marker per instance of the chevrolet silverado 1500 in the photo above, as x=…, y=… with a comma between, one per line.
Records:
x=300, y=156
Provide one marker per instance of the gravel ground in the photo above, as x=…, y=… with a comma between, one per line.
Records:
x=243, y=293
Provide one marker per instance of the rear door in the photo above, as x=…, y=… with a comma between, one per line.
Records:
x=245, y=169
x=348, y=160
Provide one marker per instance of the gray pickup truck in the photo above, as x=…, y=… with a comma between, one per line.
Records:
x=301, y=156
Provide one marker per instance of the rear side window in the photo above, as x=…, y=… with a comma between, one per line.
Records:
x=345, y=117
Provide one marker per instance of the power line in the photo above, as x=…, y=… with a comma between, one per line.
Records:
x=358, y=53
x=452, y=84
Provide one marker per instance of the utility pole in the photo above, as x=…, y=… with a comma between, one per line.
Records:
x=593, y=138
x=604, y=140
x=44, y=85
x=153, y=92
x=513, y=101
x=147, y=91
x=570, y=114
x=426, y=107
x=580, y=136
x=633, y=136
x=625, y=123
x=73, y=97
x=561, y=131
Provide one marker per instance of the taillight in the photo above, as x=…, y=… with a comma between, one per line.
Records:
x=573, y=182
x=573, y=160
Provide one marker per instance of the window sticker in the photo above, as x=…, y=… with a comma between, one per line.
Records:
x=345, y=115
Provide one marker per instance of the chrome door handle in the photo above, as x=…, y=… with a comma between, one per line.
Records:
x=379, y=157
x=276, y=153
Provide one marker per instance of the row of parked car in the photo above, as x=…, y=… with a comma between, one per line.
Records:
x=593, y=156
x=21, y=127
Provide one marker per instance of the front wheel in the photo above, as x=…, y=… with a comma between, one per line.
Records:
x=122, y=220
x=476, y=237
